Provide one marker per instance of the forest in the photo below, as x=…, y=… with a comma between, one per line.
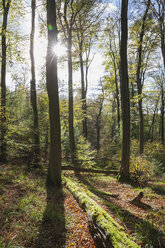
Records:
x=82, y=137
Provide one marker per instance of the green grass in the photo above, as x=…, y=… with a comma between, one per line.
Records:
x=23, y=211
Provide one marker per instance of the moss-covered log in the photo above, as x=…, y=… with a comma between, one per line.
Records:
x=106, y=230
x=77, y=169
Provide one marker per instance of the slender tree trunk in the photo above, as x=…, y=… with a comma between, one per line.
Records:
x=70, y=86
x=3, y=150
x=139, y=81
x=125, y=101
x=163, y=46
x=46, y=143
x=162, y=30
x=162, y=114
x=141, y=125
x=152, y=126
x=83, y=94
x=133, y=124
x=36, y=138
x=113, y=122
x=98, y=133
x=151, y=129
x=98, y=127
x=54, y=171
x=117, y=98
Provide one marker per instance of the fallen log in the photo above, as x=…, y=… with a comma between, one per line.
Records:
x=78, y=169
x=106, y=231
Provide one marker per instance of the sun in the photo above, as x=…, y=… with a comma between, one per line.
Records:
x=59, y=50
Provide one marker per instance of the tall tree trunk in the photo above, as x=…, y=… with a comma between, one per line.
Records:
x=113, y=126
x=151, y=129
x=139, y=81
x=125, y=101
x=83, y=94
x=162, y=114
x=36, y=138
x=46, y=143
x=70, y=86
x=98, y=133
x=133, y=116
x=163, y=45
x=54, y=171
x=3, y=155
x=98, y=126
x=117, y=98
x=162, y=30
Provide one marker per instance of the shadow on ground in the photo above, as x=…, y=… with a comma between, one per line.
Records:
x=158, y=189
x=51, y=233
x=147, y=232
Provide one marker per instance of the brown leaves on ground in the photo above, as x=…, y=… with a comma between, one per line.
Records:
x=142, y=222
x=77, y=234
x=32, y=216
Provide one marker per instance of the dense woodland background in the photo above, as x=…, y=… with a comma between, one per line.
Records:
x=115, y=123
x=91, y=125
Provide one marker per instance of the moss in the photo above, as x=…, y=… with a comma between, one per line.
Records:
x=116, y=232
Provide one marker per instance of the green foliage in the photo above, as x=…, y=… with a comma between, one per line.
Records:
x=141, y=169
x=85, y=153
x=156, y=153
x=151, y=163
x=147, y=233
x=4, y=244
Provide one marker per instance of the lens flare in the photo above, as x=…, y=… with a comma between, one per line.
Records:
x=59, y=50
x=50, y=27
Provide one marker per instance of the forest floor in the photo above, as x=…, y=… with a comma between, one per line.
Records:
x=32, y=216
x=144, y=223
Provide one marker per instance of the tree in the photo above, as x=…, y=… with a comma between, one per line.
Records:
x=3, y=155
x=67, y=20
x=98, y=117
x=125, y=101
x=54, y=171
x=36, y=138
x=138, y=75
x=87, y=25
x=112, y=57
x=158, y=7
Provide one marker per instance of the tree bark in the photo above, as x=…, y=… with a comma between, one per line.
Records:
x=36, y=138
x=139, y=81
x=3, y=148
x=162, y=114
x=162, y=30
x=151, y=129
x=83, y=93
x=125, y=101
x=98, y=127
x=54, y=170
x=70, y=86
x=117, y=98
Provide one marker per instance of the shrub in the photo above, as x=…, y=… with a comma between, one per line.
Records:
x=141, y=169
x=135, y=147
x=85, y=153
x=155, y=151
